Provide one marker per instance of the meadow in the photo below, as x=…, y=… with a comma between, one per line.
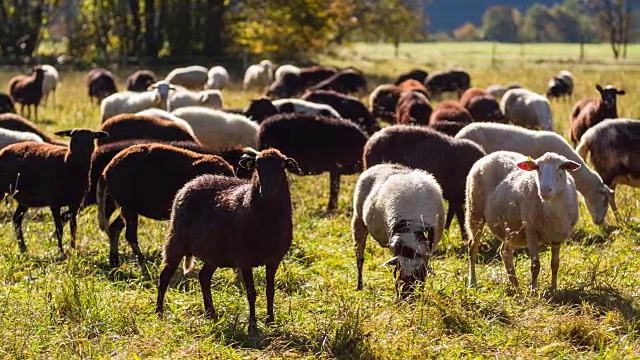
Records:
x=77, y=307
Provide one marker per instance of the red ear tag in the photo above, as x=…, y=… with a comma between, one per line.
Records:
x=528, y=165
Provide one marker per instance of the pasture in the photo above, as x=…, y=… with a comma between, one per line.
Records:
x=78, y=307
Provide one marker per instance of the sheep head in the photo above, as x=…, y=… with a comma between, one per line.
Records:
x=82, y=140
x=551, y=176
x=269, y=172
x=161, y=96
x=608, y=95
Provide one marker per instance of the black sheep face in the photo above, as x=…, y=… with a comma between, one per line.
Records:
x=260, y=109
x=6, y=104
x=270, y=165
x=608, y=95
x=82, y=142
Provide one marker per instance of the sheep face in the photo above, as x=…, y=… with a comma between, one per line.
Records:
x=260, y=109
x=269, y=167
x=597, y=202
x=412, y=249
x=608, y=95
x=161, y=95
x=82, y=140
x=551, y=171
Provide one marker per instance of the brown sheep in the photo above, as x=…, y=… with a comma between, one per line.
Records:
x=27, y=90
x=41, y=174
x=413, y=85
x=415, y=74
x=447, y=80
x=143, y=180
x=450, y=110
x=6, y=104
x=588, y=112
x=18, y=123
x=141, y=80
x=471, y=93
x=130, y=126
x=485, y=108
x=232, y=223
x=413, y=108
x=383, y=101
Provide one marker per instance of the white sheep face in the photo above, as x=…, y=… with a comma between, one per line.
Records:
x=551, y=171
x=412, y=250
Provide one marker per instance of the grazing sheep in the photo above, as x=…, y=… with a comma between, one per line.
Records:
x=497, y=91
x=415, y=74
x=101, y=83
x=313, y=75
x=450, y=128
x=588, y=112
x=165, y=115
x=191, y=77
x=614, y=145
x=40, y=174
x=522, y=207
x=258, y=76
x=286, y=69
x=348, y=107
x=50, y=82
x=130, y=126
x=6, y=104
x=141, y=80
x=18, y=123
x=287, y=86
x=240, y=224
x=27, y=90
x=261, y=108
x=494, y=137
x=319, y=143
x=450, y=110
x=125, y=180
x=421, y=147
x=402, y=209
x=8, y=137
x=383, y=101
x=217, y=78
x=345, y=81
x=207, y=98
x=129, y=102
x=485, y=108
x=560, y=85
x=218, y=129
x=442, y=81
x=525, y=108
x=413, y=108
x=470, y=93
x=413, y=85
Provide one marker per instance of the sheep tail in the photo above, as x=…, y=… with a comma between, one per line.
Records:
x=101, y=195
x=187, y=265
x=583, y=148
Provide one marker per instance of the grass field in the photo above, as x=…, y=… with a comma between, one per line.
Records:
x=78, y=308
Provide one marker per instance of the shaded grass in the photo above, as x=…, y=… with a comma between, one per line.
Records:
x=80, y=308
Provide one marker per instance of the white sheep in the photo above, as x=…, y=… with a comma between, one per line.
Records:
x=49, y=82
x=526, y=108
x=402, y=209
x=498, y=90
x=522, y=207
x=207, y=98
x=131, y=102
x=217, y=78
x=165, y=115
x=286, y=69
x=305, y=107
x=258, y=76
x=8, y=137
x=191, y=77
x=218, y=129
x=494, y=137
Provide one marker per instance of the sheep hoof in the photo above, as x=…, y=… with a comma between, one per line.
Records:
x=23, y=248
x=211, y=315
x=253, y=327
x=114, y=260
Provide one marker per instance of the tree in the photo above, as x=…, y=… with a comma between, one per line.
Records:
x=539, y=25
x=614, y=19
x=499, y=24
x=466, y=32
x=21, y=26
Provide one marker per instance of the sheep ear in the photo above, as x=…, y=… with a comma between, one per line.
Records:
x=528, y=165
x=247, y=162
x=392, y=262
x=570, y=165
x=64, y=133
x=598, y=87
x=621, y=92
x=292, y=165
x=102, y=135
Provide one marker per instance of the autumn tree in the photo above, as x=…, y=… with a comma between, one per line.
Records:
x=499, y=24
x=21, y=24
x=539, y=25
x=613, y=18
x=467, y=32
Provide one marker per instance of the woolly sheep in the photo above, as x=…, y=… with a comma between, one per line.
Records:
x=50, y=82
x=522, y=207
x=286, y=69
x=218, y=129
x=261, y=108
x=140, y=80
x=498, y=91
x=494, y=137
x=415, y=74
x=402, y=209
x=207, y=98
x=525, y=108
x=258, y=76
x=101, y=83
x=588, y=112
x=229, y=222
x=129, y=102
x=18, y=123
x=191, y=77
x=131, y=126
x=8, y=137
x=27, y=90
x=349, y=107
x=383, y=101
x=560, y=85
x=217, y=78
x=165, y=115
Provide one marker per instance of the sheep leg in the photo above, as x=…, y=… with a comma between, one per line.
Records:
x=474, y=232
x=57, y=220
x=73, y=225
x=131, y=233
x=612, y=199
x=115, y=228
x=359, y=234
x=534, y=253
x=271, y=278
x=204, y=277
x=507, y=258
x=247, y=276
x=18, y=215
x=555, y=264
x=450, y=213
x=163, y=281
x=459, y=212
x=334, y=188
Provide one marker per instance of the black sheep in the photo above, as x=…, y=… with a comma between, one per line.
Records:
x=289, y=85
x=348, y=107
x=6, y=104
x=319, y=144
x=447, y=80
x=313, y=75
x=140, y=80
x=415, y=74
x=101, y=83
x=344, y=81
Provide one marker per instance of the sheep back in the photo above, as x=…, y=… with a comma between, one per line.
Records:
x=129, y=126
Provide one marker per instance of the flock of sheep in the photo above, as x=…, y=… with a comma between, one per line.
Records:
x=492, y=155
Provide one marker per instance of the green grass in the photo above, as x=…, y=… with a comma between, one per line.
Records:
x=77, y=308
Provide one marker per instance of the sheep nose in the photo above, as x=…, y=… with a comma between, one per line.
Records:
x=546, y=192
